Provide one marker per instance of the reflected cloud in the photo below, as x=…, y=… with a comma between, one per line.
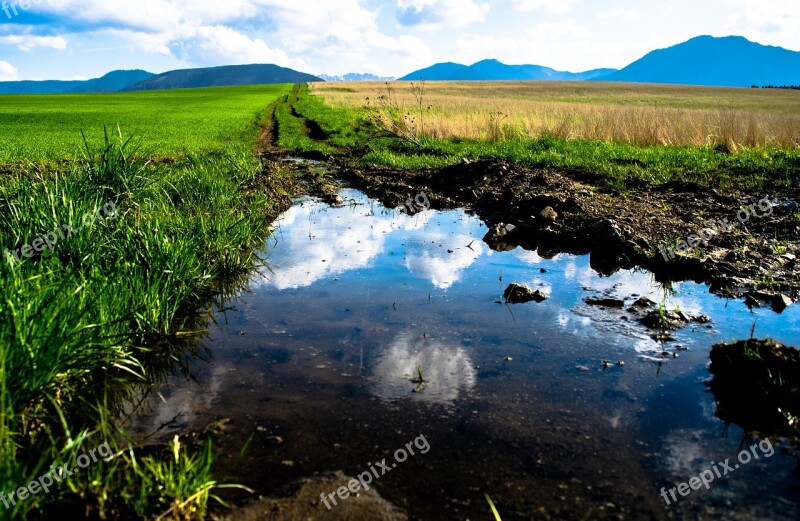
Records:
x=447, y=369
x=443, y=268
x=338, y=240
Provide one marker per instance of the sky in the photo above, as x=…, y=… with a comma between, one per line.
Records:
x=80, y=39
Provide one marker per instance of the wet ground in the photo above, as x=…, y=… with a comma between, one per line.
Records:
x=370, y=330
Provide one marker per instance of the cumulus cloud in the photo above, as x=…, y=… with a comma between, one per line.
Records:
x=550, y=6
x=26, y=42
x=220, y=44
x=436, y=13
x=206, y=32
x=7, y=71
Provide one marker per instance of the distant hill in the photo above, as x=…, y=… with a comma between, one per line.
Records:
x=257, y=74
x=731, y=61
x=493, y=70
x=111, y=82
x=354, y=76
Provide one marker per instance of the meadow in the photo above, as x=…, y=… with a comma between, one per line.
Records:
x=624, y=113
x=174, y=123
x=401, y=127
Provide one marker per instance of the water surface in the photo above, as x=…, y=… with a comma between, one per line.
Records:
x=322, y=349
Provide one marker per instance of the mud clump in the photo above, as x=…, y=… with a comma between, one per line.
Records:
x=517, y=294
x=755, y=385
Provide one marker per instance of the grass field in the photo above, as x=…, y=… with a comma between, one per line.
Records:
x=168, y=123
x=625, y=113
x=344, y=124
x=81, y=315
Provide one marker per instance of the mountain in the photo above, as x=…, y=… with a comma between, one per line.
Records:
x=493, y=70
x=257, y=74
x=355, y=76
x=731, y=61
x=111, y=82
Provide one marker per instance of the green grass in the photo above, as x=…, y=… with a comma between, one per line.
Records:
x=174, y=123
x=750, y=169
x=79, y=322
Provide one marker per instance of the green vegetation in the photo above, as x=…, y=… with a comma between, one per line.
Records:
x=176, y=123
x=349, y=129
x=79, y=321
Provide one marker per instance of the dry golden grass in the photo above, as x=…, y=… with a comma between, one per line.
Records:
x=629, y=113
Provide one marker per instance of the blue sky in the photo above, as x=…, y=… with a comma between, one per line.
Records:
x=65, y=39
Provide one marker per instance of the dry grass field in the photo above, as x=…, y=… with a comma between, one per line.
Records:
x=638, y=114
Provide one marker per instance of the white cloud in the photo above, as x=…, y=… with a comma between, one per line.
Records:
x=620, y=14
x=550, y=6
x=7, y=71
x=572, y=44
x=294, y=34
x=775, y=22
x=219, y=44
x=26, y=42
x=432, y=14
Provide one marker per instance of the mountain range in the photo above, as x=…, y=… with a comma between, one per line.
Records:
x=256, y=74
x=731, y=61
x=356, y=76
x=137, y=80
x=493, y=70
x=111, y=82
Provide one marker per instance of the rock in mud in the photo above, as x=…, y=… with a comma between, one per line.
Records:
x=517, y=294
x=503, y=237
x=606, y=232
x=301, y=501
x=778, y=302
x=548, y=214
x=660, y=319
x=644, y=302
x=608, y=302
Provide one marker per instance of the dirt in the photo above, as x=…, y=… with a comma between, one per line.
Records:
x=578, y=213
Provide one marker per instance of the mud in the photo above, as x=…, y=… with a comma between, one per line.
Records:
x=579, y=213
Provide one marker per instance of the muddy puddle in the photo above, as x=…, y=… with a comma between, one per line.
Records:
x=318, y=365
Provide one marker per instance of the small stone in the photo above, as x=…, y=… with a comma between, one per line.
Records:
x=548, y=214
x=517, y=294
x=605, y=301
x=781, y=302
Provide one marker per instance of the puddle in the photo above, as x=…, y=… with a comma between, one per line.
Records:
x=326, y=348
